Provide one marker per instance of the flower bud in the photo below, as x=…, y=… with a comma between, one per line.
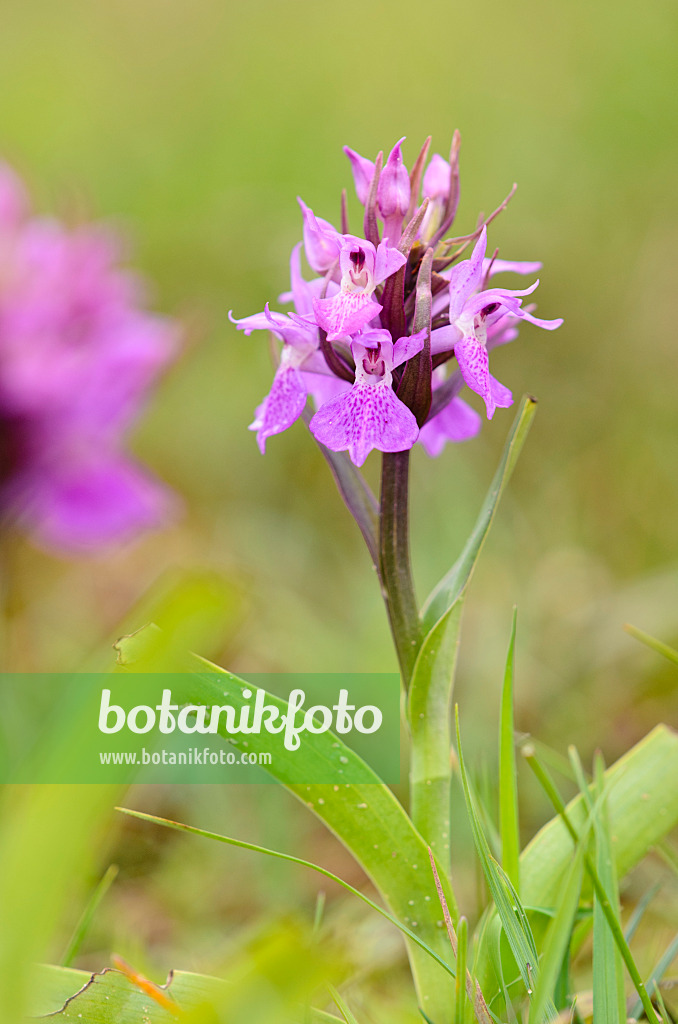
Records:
x=394, y=186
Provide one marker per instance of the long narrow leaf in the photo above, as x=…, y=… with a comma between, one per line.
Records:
x=192, y=830
x=557, y=940
x=658, y=973
x=88, y=914
x=431, y=685
x=508, y=788
x=511, y=913
x=656, y=645
x=451, y=586
x=608, y=978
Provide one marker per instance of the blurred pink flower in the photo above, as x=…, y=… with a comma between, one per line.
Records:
x=77, y=357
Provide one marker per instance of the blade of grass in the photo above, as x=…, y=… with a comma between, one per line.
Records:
x=82, y=927
x=662, y=1006
x=472, y=987
x=324, y=1016
x=659, y=972
x=653, y=643
x=549, y=787
x=639, y=911
x=319, y=913
x=342, y=1006
x=557, y=939
x=510, y=911
x=498, y=967
x=608, y=978
x=508, y=789
x=668, y=855
x=192, y=830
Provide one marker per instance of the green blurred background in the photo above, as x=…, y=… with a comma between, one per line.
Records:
x=194, y=126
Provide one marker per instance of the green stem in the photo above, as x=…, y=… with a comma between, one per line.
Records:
x=394, y=560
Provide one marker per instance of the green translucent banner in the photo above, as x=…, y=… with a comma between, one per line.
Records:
x=199, y=728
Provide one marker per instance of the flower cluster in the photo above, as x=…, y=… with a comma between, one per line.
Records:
x=77, y=357
x=372, y=336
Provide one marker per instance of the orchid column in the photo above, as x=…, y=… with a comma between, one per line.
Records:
x=367, y=359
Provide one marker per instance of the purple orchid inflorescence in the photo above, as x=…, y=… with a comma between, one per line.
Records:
x=372, y=337
x=77, y=358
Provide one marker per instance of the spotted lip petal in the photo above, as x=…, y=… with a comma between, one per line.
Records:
x=474, y=365
x=366, y=417
x=282, y=406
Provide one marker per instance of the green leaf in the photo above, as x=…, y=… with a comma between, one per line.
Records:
x=109, y=997
x=364, y=815
x=508, y=786
x=432, y=682
x=557, y=940
x=642, y=809
x=428, y=713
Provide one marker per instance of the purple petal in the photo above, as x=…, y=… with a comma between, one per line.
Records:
x=473, y=362
x=548, y=325
x=366, y=417
x=322, y=241
x=388, y=261
x=374, y=337
x=466, y=277
x=353, y=246
x=298, y=332
x=282, y=406
x=302, y=291
x=504, y=296
x=405, y=348
x=345, y=313
x=510, y=267
x=456, y=422
x=437, y=178
x=363, y=172
x=443, y=339
x=264, y=321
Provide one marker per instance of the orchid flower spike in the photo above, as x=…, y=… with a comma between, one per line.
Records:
x=338, y=349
